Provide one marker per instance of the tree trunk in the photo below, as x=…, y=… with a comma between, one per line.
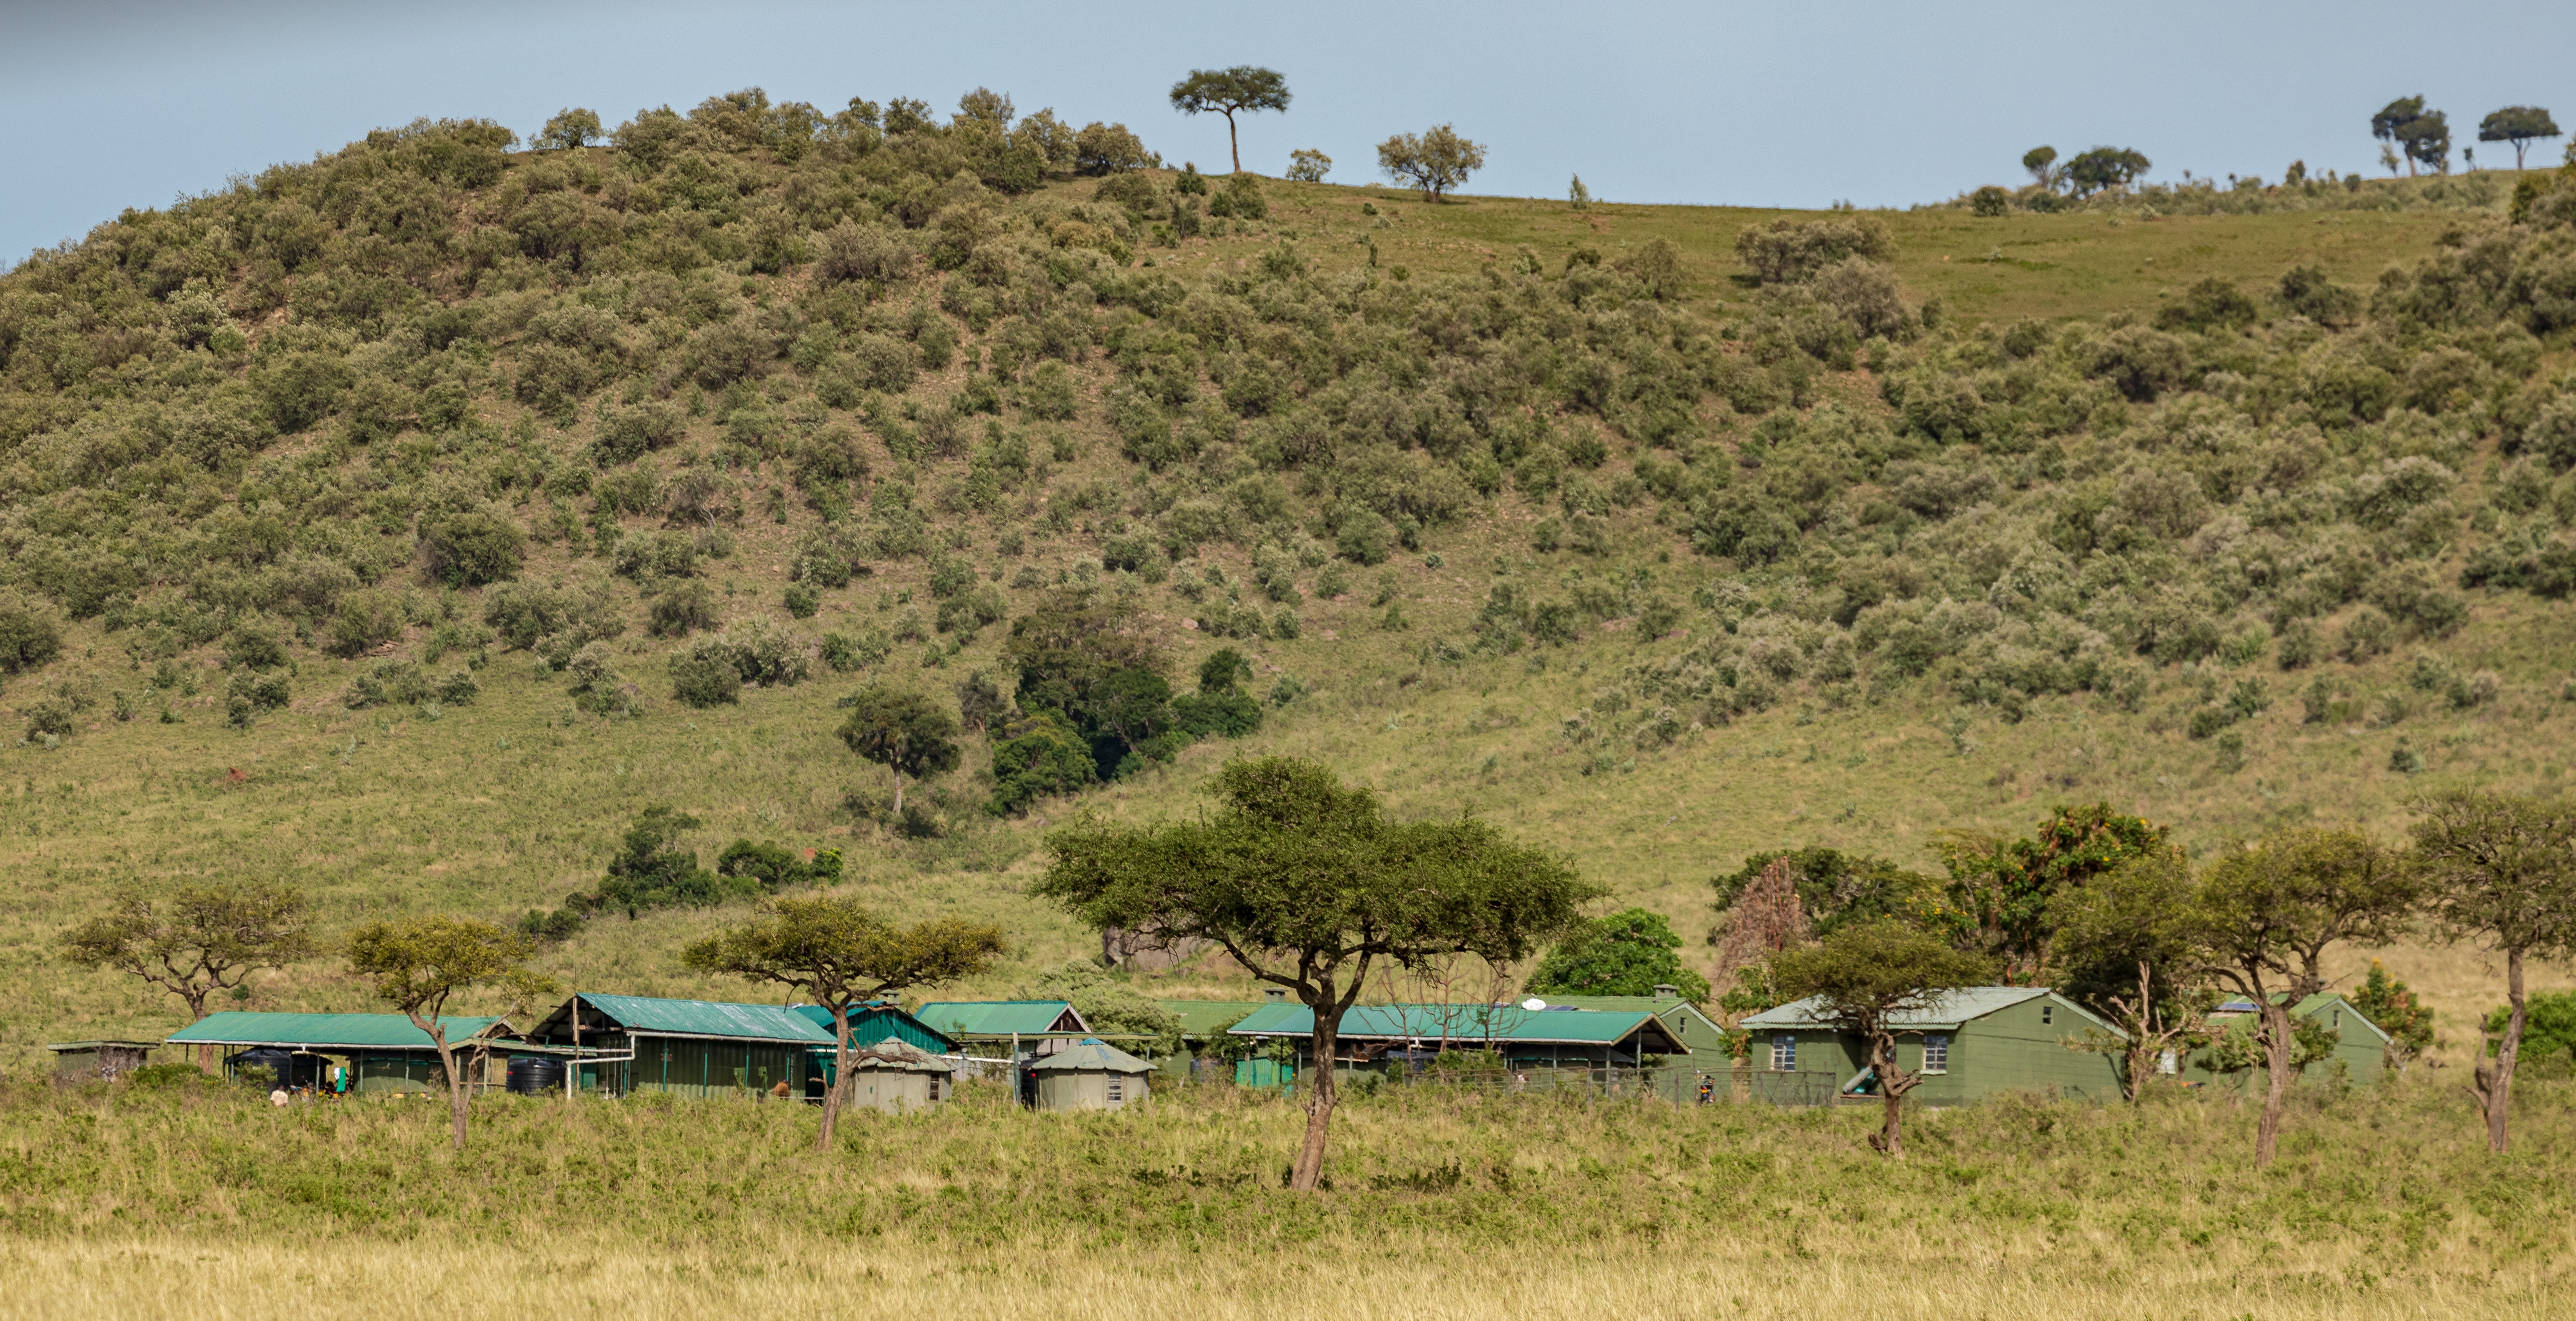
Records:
x=2494, y=1087
x=455, y=1086
x=1893, y=1084
x=1231, y=144
x=2280, y=1041
x=898, y=797
x=197, y=1014
x=840, y=1077
x=1320, y=1099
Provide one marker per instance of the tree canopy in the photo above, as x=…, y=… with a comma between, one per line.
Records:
x=1228, y=92
x=837, y=951
x=2500, y=870
x=2520, y=125
x=2042, y=163
x=2419, y=136
x=418, y=963
x=1435, y=161
x=1630, y=952
x=2127, y=950
x=906, y=732
x=1308, y=885
x=2001, y=892
x=2267, y=911
x=2105, y=167
x=1863, y=978
x=197, y=939
x=1837, y=889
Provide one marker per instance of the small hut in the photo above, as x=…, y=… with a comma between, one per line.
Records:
x=77, y=1062
x=1091, y=1075
x=898, y=1076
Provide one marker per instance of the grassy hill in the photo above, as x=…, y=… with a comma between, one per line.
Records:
x=1939, y=523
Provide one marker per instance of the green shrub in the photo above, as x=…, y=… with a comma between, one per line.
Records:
x=803, y=601
x=49, y=716
x=255, y=646
x=472, y=549
x=30, y=635
x=846, y=654
x=1038, y=756
x=704, y=680
x=681, y=609
x=364, y=621
x=1989, y=201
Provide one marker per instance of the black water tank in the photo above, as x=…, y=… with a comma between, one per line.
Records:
x=535, y=1075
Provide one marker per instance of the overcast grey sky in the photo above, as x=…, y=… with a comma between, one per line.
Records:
x=129, y=102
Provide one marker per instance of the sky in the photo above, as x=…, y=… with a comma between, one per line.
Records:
x=130, y=103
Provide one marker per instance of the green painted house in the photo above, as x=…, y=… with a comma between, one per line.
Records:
x=1202, y=1022
x=693, y=1048
x=1967, y=1044
x=1698, y=1032
x=1526, y=1038
x=2360, y=1050
x=384, y=1053
x=1024, y=1029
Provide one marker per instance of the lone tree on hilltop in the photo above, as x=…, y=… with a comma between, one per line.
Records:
x=198, y=939
x=1863, y=979
x=569, y=129
x=1308, y=885
x=2416, y=134
x=1435, y=162
x=2520, y=125
x=2105, y=167
x=1228, y=92
x=2501, y=870
x=904, y=732
x=2042, y=164
x=418, y=963
x=834, y=950
x=2266, y=913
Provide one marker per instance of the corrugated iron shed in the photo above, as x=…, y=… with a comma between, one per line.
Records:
x=1694, y=1027
x=873, y=1023
x=1467, y=1023
x=1948, y=1011
x=324, y=1031
x=643, y=1015
x=1001, y=1018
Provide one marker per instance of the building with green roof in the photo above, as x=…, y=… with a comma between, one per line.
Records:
x=384, y=1053
x=1543, y=1038
x=1024, y=1028
x=1967, y=1044
x=694, y=1048
x=1203, y=1025
x=1698, y=1032
x=2360, y=1052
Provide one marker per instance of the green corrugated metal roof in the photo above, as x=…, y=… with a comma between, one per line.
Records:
x=1091, y=1054
x=882, y=1022
x=381, y=1031
x=93, y=1045
x=1205, y=1018
x=708, y=1018
x=1663, y=1009
x=1950, y=1010
x=998, y=1018
x=1468, y=1022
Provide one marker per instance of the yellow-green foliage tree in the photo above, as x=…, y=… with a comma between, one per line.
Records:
x=1863, y=978
x=839, y=952
x=2501, y=870
x=197, y=939
x=1308, y=885
x=417, y=964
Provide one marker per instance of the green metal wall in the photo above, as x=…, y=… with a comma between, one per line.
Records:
x=692, y=1067
x=2008, y=1050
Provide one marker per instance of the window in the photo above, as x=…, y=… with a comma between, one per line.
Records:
x=1117, y=1090
x=1784, y=1054
x=2166, y=1064
x=1936, y=1054
x=2047, y=1014
x=2338, y=1020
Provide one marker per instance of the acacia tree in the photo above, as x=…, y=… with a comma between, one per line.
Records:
x=1435, y=161
x=2041, y=162
x=837, y=951
x=2105, y=167
x=2413, y=133
x=418, y=963
x=1864, y=979
x=197, y=940
x=2126, y=952
x=2501, y=870
x=2520, y=125
x=2266, y=913
x=1228, y=92
x=906, y=733
x=1309, y=886
x=2003, y=894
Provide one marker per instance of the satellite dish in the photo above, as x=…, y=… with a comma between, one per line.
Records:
x=1533, y=1004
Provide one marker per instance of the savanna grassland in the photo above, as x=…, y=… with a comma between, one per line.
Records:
x=197, y=1198
x=401, y=523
